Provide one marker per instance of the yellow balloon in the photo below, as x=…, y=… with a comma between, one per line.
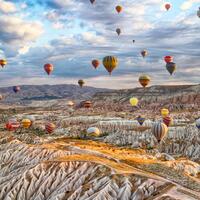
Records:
x=164, y=112
x=134, y=101
x=26, y=123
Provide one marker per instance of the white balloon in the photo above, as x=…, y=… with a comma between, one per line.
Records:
x=93, y=131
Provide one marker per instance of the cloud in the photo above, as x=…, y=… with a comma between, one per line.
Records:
x=15, y=33
x=188, y=4
x=77, y=32
x=7, y=7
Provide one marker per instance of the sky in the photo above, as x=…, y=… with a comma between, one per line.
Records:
x=71, y=33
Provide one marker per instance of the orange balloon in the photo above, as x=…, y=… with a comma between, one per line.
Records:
x=118, y=9
x=48, y=68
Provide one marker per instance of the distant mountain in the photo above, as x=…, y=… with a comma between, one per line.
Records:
x=176, y=94
x=154, y=95
x=31, y=93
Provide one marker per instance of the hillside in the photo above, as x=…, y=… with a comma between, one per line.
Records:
x=31, y=93
x=177, y=97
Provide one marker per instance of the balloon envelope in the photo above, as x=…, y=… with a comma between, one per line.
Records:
x=140, y=120
x=159, y=130
x=81, y=83
x=134, y=101
x=70, y=103
x=26, y=123
x=110, y=63
x=168, y=121
x=198, y=123
x=12, y=124
x=16, y=89
x=118, y=30
x=48, y=68
x=50, y=127
x=3, y=62
x=164, y=112
x=87, y=104
x=95, y=63
x=168, y=59
x=118, y=8
x=144, y=53
x=171, y=67
x=92, y=1
x=167, y=6
x=93, y=131
x=198, y=13
x=144, y=80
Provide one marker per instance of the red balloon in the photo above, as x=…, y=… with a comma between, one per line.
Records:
x=50, y=127
x=168, y=59
x=167, y=6
x=12, y=125
x=167, y=121
x=48, y=68
x=95, y=63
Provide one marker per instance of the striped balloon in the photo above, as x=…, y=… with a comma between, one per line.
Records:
x=110, y=63
x=159, y=130
x=50, y=127
x=198, y=123
x=167, y=121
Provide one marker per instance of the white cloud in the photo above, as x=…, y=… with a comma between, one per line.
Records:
x=15, y=33
x=188, y=4
x=93, y=38
x=7, y=7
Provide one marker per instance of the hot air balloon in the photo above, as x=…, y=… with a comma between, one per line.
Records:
x=16, y=89
x=144, y=53
x=93, y=131
x=50, y=127
x=12, y=124
x=118, y=8
x=171, y=67
x=168, y=121
x=159, y=130
x=3, y=62
x=198, y=13
x=92, y=1
x=164, y=112
x=198, y=123
x=95, y=63
x=26, y=123
x=87, y=104
x=133, y=41
x=140, y=120
x=31, y=118
x=9, y=126
x=81, y=83
x=48, y=68
x=118, y=30
x=110, y=63
x=144, y=80
x=168, y=59
x=134, y=101
x=70, y=103
x=167, y=6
